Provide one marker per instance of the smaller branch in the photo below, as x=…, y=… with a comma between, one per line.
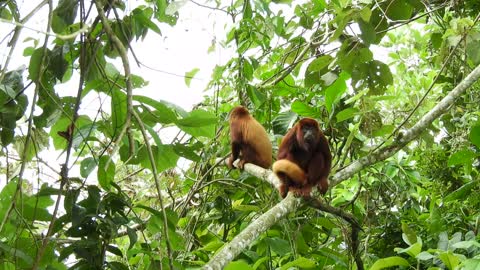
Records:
x=318, y=204
x=73, y=35
x=211, y=8
x=126, y=66
x=157, y=185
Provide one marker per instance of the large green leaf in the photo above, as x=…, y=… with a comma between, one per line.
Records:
x=464, y=156
x=106, y=172
x=64, y=15
x=335, y=91
x=303, y=109
x=198, y=123
x=119, y=110
x=389, y=262
x=475, y=135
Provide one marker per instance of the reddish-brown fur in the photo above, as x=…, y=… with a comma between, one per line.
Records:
x=250, y=142
x=304, y=159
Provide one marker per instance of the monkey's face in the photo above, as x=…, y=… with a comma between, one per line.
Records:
x=309, y=138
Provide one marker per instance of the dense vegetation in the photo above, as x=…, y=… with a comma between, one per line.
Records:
x=375, y=74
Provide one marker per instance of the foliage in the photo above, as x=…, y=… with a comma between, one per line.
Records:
x=366, y=70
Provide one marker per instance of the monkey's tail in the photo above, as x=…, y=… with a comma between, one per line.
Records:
x=284, y=167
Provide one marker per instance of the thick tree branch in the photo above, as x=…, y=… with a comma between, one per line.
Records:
x=410, y=134
x=245, y=238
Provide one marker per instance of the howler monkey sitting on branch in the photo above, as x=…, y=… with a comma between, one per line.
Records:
x=304, y=159
x=249, y=140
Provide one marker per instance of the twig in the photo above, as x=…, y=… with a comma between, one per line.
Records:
x=157, y=185
x=16, y=34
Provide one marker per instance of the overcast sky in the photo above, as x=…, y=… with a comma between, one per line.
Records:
x=179, y=49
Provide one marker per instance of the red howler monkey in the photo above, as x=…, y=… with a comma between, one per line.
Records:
x=249, y=140
x=304, y=159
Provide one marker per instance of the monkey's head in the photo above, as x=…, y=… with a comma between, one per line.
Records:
x=308, y=134
x=238, y=112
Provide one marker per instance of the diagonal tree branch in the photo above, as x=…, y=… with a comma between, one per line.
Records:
x=410, y=134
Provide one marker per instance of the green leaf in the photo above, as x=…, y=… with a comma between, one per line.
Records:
x=114, y=250
x=368, y=33
x=389, y=262
x=464, y=156
x=475, y=136
x=278, y=245
x=106, y=174
x=283, y=121
x=132, y=237
x=87, y=166
x=7, y=135
x=424, y=256
x=16, y=253
x=238, y=265
x=302, y=263
x=412, y=250
x=258, y=97
x=319, y=63
x=35, y=63
x=473, y=52
x=6, y=196
x=471, y=264
x=198, y=118
x=303, y=109
x=117, y=266
x=316, y=69
x=64, y=15
x=57, y=63
x=164, y=155
x=399, y=10
x=450, y=260
x=198, y=123
x=335, y=91
x=409, y=235
x=188, y=151
x=119, y=110
x=162, y=15
x=140, y=16
x=213, y=245
x=174, y=6
x=365, y=13
x=346, y=114
x=82, y=126
x=383, y=131
x=5, y=14
x=462, y=192
x=466, y=244
x=190, y=75
x=165, y=113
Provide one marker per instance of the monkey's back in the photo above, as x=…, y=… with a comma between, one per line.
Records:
x=258, y=148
